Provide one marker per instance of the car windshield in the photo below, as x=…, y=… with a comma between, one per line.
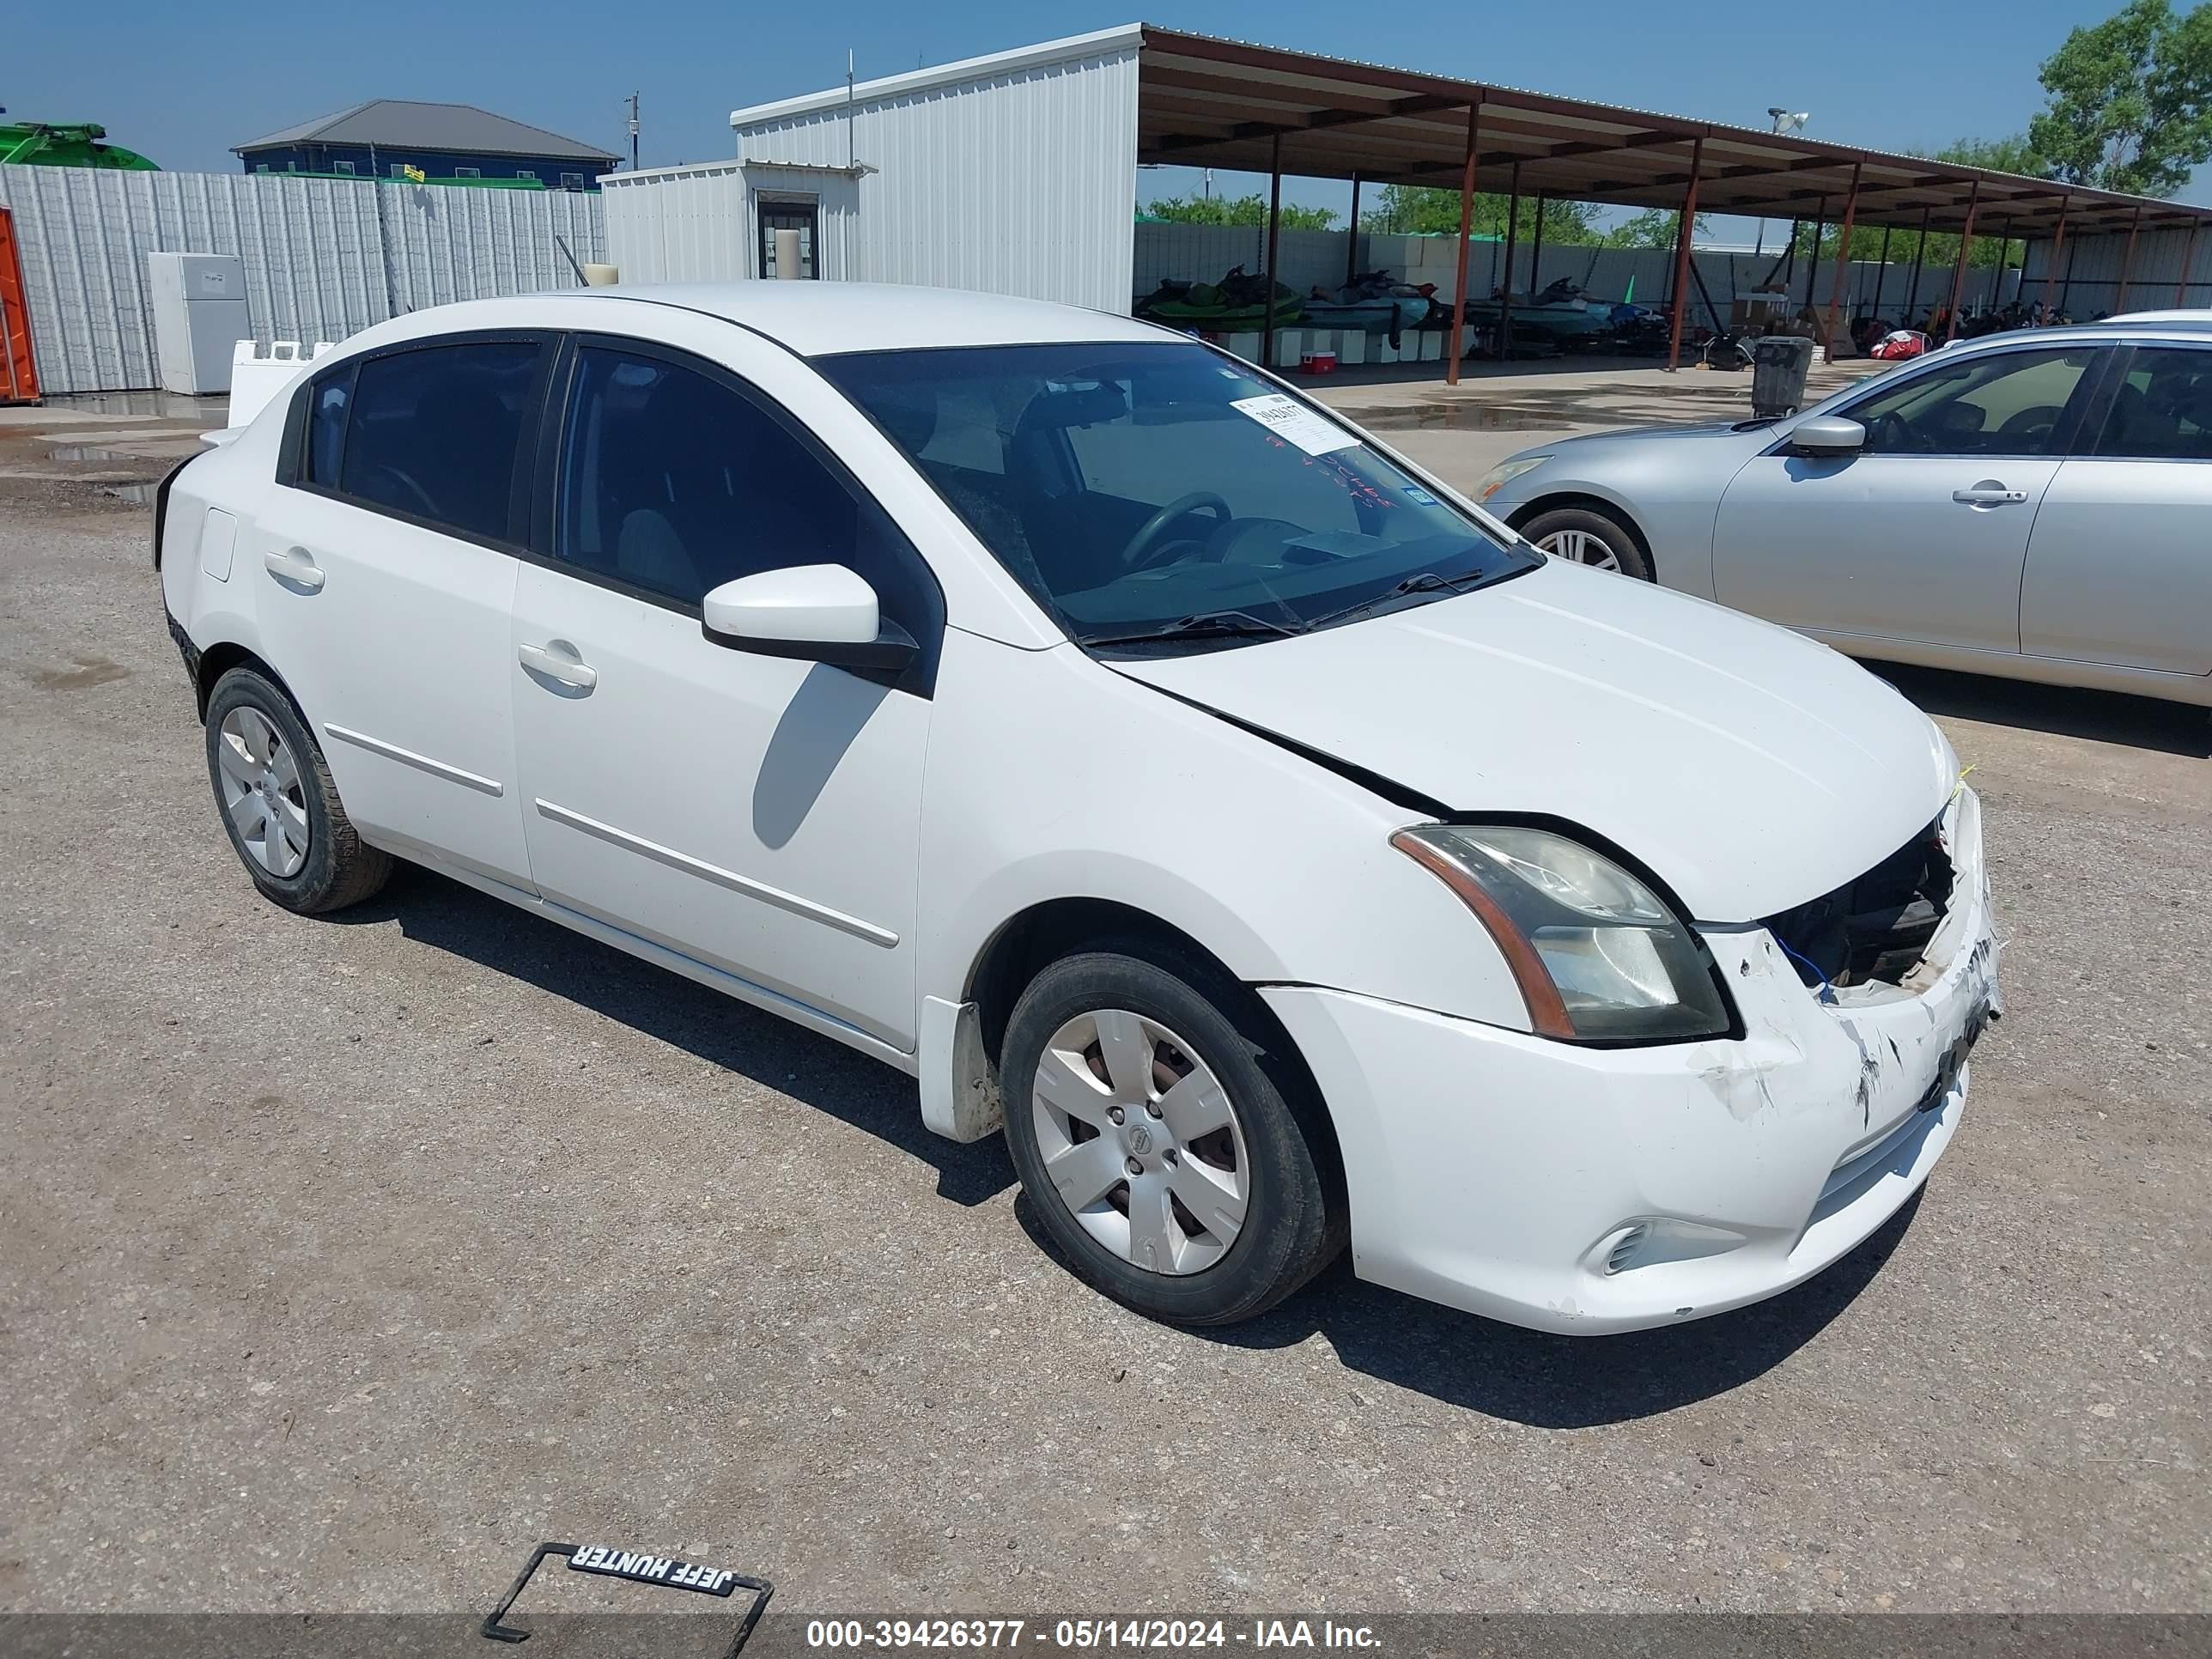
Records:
x=1160, y=496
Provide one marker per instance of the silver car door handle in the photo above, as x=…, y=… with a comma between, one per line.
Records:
x=1989, y=495
x=557, y=665
x=294, y=565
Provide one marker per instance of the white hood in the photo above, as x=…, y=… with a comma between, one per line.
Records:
x=1751, y=769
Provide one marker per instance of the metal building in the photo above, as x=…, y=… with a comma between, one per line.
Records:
x=1016, y=173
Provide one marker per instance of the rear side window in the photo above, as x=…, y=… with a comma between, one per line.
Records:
x=675, y=481
x=432, y=434
x=2163, y=410
x=327, y=422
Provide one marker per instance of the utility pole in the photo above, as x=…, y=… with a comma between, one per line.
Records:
x=632, y=102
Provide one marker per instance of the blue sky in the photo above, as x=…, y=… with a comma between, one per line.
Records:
x=183, y=82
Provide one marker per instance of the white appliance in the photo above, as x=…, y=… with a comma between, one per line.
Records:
x=199, y=317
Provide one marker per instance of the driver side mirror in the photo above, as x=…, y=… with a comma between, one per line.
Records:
x=1827, y=436
x=815, y=613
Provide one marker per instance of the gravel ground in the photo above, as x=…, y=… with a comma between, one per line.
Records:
x=343, y=1261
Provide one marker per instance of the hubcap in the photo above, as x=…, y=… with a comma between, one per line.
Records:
x=1579, y=547
x=261, y=791
x=1141, y=1141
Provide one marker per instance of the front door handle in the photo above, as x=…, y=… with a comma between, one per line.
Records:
x=557, y=660
x=295, y=566
x=1989, y=493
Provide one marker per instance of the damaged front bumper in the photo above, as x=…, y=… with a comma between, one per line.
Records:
x=1595, y=1190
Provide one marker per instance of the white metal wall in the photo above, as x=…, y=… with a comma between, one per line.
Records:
x=324, y=258
x=1022, y=183
x=697, y=224
x=2088, y=273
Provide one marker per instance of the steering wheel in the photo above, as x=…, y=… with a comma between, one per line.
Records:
x=2036, y=423
x=1141, y=555
x=1890, y=435
x=423, y=504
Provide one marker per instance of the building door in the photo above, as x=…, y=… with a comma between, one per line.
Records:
x=801, y=214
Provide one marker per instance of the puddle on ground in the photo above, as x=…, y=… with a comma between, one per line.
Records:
x=1462, y=417
x=162, y=405
x=141, y=493
x=91, y=453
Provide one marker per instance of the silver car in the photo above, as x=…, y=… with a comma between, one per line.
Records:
x=2035, y=504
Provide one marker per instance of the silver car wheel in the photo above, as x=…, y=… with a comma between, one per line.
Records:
x=1579, y=547
x=261, y=792
x=1141, y=1141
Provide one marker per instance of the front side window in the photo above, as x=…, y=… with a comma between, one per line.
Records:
x=1135, y=489
x=434, y=433
x=2004, y=403
x=2163, y=410
x=674, y=482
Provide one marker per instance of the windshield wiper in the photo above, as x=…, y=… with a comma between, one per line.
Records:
x=1206, y=625
x=1424, y=581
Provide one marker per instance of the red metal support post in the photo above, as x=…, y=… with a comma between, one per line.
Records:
x=1505, y=307
x=1959, y=265
x=1536, y=254
x=1457, y=344
x=1842, y=258
x=1684, y=235
x=1919, y=253
x=1275, y=232
x=1351, y=237
x=2127, y=261
x=2058, y=247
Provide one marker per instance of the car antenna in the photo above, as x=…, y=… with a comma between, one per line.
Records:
x=583, y=280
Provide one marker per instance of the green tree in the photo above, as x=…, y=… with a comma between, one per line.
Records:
x=2015, y=154
x=1417, y=209
x=2130, y=103
x=1238, y=210
x=1654, y=227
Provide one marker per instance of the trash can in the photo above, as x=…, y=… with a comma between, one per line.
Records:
x=1778, y=366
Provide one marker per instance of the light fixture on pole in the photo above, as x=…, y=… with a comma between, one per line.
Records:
x=1784, y=121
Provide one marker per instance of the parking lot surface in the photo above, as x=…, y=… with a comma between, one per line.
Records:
x=343, y=1261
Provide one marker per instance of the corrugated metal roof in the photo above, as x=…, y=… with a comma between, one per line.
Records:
x=1213, y=102
x=991, y=66
x=407, y=125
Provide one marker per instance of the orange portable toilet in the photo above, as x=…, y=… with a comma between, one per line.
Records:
x=18, y=375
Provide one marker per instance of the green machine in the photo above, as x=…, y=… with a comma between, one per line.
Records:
x=66, y=145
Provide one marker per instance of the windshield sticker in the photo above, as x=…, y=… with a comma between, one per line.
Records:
x=1294, y=423
x=1415, y=493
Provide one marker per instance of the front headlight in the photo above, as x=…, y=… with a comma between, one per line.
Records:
x=1505, y=473
x=1598, y=956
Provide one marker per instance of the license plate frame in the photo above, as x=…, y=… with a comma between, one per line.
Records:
x=636, y=1567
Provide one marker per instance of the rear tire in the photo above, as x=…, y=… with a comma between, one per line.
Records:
x=1201, y=1199
x=1583, y=535
x=273, y=791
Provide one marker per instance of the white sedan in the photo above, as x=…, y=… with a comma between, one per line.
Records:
x=1080, y=720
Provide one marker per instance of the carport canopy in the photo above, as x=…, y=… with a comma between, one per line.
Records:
x=1208, y=102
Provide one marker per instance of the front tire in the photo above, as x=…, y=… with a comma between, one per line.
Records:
x=1581, y=535
x=274, y=794
x=1155, y=1134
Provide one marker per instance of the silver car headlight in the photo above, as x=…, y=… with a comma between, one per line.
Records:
x=1598, y=956
x=1505, y=473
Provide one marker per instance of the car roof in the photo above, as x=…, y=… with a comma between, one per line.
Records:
x=821, y=318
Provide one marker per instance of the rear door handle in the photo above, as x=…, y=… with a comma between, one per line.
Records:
x=1989, y=494
x=295, y=566
x=557, y=660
